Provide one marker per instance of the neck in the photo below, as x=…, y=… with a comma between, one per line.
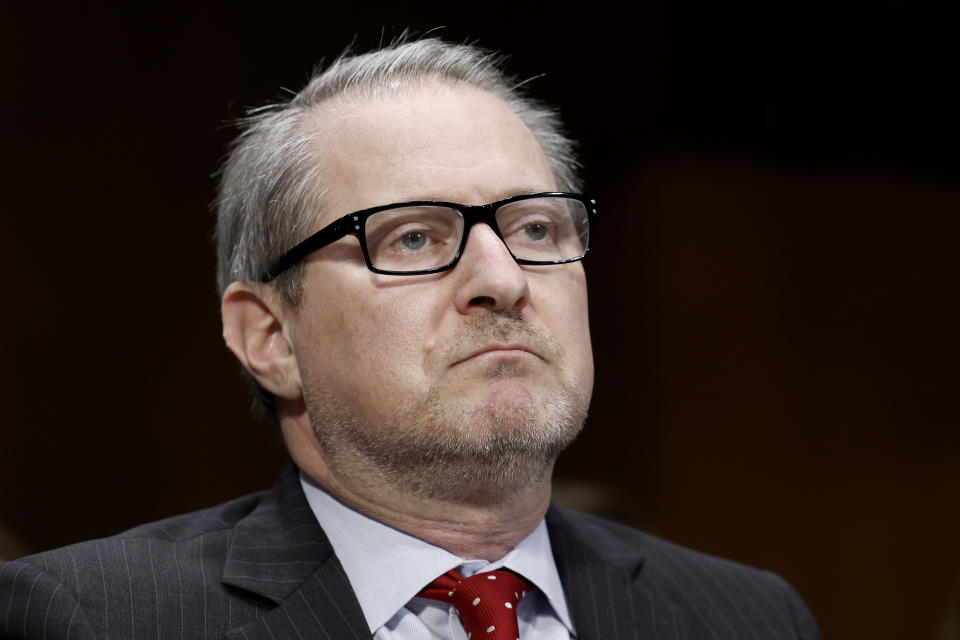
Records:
x=484, y=525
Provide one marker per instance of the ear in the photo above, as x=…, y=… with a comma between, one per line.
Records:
x=254, y=329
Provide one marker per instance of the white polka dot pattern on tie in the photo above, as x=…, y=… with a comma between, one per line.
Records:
x=477, y=601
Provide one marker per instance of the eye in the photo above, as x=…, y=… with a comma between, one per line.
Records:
x=536, y=231
x=413, y=241
x=532, y=230
x=411, y=238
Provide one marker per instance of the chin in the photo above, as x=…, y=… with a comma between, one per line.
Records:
x=496, y=436
x=511, y=394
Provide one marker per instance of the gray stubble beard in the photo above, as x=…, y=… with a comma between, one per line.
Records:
x=438, y=450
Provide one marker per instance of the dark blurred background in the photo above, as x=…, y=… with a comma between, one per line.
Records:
x=774, y=287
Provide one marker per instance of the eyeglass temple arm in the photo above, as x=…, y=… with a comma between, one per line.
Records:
x=320, y=239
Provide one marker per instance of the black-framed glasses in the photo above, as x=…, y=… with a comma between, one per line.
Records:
x=423, y=236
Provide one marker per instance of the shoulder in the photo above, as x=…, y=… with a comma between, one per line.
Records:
x=614, y=537
x=705, y=590
x=184, y=537
x=153, y=566
x=656, y=555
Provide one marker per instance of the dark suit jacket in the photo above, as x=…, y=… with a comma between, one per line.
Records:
x=260, y=567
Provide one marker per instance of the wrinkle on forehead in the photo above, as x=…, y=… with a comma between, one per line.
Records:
x=338, y=112
x=393, y=127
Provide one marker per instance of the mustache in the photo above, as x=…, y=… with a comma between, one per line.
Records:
x=483, y=329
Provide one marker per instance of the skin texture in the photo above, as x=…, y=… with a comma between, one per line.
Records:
x=436, y=404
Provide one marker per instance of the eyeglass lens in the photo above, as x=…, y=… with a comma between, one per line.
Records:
x=427, y=237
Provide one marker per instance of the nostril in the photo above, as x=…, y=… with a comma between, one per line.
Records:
x=483, y=301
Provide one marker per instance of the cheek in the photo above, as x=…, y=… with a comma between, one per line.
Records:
x=370, y=333
x=569, y=322
x=391, y=330
x=583, y=345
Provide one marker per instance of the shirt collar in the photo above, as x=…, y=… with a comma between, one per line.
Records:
x=387, y=567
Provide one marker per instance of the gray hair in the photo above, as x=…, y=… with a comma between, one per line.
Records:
x=272, y=187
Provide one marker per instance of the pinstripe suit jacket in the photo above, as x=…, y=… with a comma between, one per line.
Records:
x=261, y=568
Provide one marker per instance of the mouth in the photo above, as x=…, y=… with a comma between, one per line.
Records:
x=505, y=350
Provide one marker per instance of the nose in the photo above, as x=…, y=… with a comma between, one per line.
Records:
x=487, y=275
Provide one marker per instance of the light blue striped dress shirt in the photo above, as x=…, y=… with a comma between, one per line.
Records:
x=387, y=568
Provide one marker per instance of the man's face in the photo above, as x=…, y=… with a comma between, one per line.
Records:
x=448, y=382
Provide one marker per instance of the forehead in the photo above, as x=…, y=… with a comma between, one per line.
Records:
x=431, y=141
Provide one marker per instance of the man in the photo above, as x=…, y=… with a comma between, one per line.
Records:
x=400, y=269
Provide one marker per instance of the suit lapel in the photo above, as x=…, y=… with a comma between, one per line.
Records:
x=602, y=583
x=280, y=553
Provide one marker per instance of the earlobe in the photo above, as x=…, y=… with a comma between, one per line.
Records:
x=253, y=328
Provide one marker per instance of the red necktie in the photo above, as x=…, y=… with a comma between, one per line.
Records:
x=486, y=602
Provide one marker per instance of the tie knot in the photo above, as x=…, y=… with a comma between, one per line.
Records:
x=486, y=602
